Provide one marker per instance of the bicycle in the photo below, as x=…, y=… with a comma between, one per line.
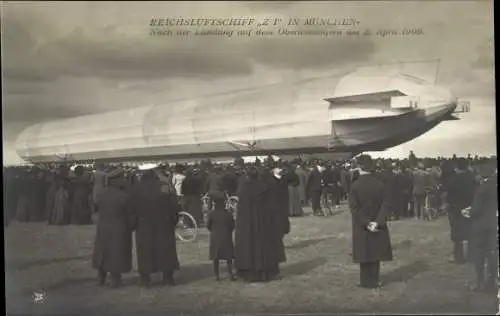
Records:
x=432, y=209
x=326, y=208
x=231, y=204
x=186, y=229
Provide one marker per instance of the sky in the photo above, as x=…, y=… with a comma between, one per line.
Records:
x=63, y=59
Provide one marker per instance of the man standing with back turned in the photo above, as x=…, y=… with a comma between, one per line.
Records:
x=369, y=206
x=484, y=230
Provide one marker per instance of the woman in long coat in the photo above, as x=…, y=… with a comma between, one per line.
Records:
x=155, y=216
x=38, y=192
x=81, y=212
x=113, y=243
x=23, y=201
x=51, y=197
x=60, y=213
x=294, y=199
x=302, y=175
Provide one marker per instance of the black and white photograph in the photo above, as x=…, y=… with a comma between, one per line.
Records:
x=249, y=157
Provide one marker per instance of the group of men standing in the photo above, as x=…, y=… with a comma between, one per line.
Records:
x=472, y=212
x=268, y=194
x=152, y=212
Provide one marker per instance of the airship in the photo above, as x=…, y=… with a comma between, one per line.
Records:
x=368, y=109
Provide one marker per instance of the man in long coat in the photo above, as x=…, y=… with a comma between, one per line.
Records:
x=113, y=243
x=484, y=230
x=277, y=205
x=345, y=181
x=371, y=242
x=155, y=215
x=256, y=255
x=315, y=188
x=460, y=195
x=192, y=188
x=302, y=174
x=294, y=199
x=99, y=184
x=81, y=212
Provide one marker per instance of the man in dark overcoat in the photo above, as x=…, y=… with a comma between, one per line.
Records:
x=371, y=242
x=405, y=185
x=390, y=179
x=113, y=243
x=277, y=205
x=81, y=213
x=483, y=243
x=192, y=189
x=345, y=181
x=155, y=215
x=256, y=252
x=460, y=194
x=315, y=188
x=302, y=175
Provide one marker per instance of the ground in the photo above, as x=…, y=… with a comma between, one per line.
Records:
x=319, y=276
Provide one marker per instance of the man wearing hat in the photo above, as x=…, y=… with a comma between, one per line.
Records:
x=277, y=203
x=314, y=187
x=154, y=215
x=113, y=243
x=460, y=194
x=483, y=233
x=369, y=206
x=256, y=247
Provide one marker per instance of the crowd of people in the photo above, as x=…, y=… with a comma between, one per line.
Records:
x=128, y=199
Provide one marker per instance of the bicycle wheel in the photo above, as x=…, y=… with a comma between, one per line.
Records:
x=186, y=229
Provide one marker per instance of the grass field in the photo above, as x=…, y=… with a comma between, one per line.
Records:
x=319, y=276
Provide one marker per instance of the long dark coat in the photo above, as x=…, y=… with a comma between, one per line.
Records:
x=484, y=221
x=460, y=195
x=113, y=243
x=221, y=224
x=394, y=192
x=81, y=213
x=277, y=204
x=368, y=202
x=294, y=201
x=154, y=214
x=50, y=200
x=59, y=214
x=345, y=180
x=302, y=175
x=254, y=248
x=192, y=188
x=38, y=191
x=23, y=200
